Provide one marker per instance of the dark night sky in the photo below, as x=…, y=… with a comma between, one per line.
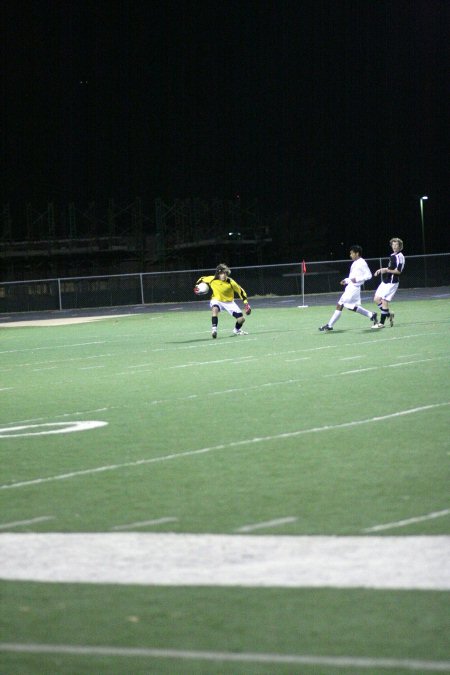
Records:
x=334, y=109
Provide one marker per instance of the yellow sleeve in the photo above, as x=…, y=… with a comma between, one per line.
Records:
x=239, y=290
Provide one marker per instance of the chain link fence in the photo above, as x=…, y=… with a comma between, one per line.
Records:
x=177, y=286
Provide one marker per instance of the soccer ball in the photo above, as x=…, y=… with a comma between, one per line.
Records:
x=201, y=289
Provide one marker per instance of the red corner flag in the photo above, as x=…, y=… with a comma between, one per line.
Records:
x=303, y=267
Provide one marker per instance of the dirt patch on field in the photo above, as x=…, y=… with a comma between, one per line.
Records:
x=59, y=322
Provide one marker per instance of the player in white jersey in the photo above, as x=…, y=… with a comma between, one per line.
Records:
x=351, y=297
x=389, y=282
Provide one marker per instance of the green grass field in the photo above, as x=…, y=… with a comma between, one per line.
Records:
x=285, y=432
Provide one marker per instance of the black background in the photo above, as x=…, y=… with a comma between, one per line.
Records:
x=332, y=114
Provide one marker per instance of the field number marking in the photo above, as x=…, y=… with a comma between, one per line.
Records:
x=49, y=428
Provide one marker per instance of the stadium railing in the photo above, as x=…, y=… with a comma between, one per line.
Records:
x=68, y=293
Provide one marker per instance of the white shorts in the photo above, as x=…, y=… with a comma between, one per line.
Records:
x=351, y=297
x=229, y=307
x=386, y=291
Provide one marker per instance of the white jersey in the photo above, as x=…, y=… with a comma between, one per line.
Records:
x=359, y=273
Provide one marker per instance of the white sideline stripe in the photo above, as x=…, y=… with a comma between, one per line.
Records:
x=5, y=526
x=408, y=521
x=228, y=560
x=224, y=446
x=143, y=523
x=268, y=523
x=246, y=657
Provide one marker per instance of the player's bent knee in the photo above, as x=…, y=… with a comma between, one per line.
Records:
x=238, y=315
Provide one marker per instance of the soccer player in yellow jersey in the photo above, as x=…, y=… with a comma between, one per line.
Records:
x=224, y=289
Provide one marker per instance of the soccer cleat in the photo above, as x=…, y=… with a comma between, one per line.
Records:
x=239, y=331
x=374, y=319
x=326, y=328
x=391, y=319
x=214, y=332
x=378, y=325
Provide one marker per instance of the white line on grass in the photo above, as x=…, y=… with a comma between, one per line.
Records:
x=31, y=521
x=68, y=346
x=61, y=428
x=352, y=372
x=408, y=521
x=227, y=391
x=300, y=358
x=389, y=365
x=144, y=523
x=71, y=414
x=245, y=657
x=207, y=363
x=331, y=346
x=409, y=363
x=268, y=523
x=226, y=560
x=224, y=446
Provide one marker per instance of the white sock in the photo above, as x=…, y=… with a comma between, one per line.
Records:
x=336, y=316
x=365, y=312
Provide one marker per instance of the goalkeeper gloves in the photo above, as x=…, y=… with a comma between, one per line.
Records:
x=247, y=309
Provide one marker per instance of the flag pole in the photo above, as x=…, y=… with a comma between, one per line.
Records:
x=302, y=306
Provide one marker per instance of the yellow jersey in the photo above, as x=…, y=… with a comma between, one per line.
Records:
x=224, y=291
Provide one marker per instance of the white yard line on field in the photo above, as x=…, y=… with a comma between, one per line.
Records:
x=247, y=560
x=221, y=392
x=268, y=523
x=51, y=347
x=223, y=342
x=409, y=363
x=300, y=358
x=351, y=372
x=207, y=363
x=346, y=662
x=388, y=365
x=408, y=521
x=31, y=521
x=224, y=446
x=144, y=523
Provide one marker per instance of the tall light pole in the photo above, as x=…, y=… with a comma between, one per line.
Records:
x=422, y=199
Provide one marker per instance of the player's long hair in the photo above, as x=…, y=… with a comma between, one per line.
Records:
x=399, y=242
x=221, y=269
